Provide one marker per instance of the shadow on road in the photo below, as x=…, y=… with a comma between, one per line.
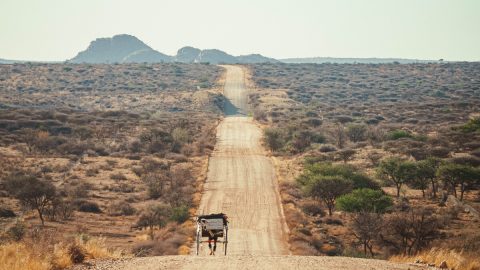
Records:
x=231, y=110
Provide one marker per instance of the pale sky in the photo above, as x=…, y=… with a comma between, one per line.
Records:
x=55, y=30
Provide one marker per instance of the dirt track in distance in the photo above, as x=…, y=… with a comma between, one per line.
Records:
x=241, y=183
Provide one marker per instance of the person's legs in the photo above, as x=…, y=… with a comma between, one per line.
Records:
x=210, y=246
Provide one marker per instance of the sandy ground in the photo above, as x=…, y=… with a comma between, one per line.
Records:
x=241, y=183
x=248, y=262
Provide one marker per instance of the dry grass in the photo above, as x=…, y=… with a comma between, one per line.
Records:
x=18, y=256
x=27, y=256
x=457, y=260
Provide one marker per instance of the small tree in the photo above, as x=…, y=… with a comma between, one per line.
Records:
x=180, y=137
x=346, y=154
x=357, y=132
x=428, y=169
x=340, y=136
x=365, y=226
x=396, y=171
x=408, y=232
x=32, y=192
x=365, y=200
x=153, y=216
x=274, y=139
x=156, y=183
x=328, y=189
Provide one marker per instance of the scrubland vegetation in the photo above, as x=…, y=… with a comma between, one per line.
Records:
x=376, y=160
x=97, y=156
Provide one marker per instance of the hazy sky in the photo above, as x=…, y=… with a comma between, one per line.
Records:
x=422, y=29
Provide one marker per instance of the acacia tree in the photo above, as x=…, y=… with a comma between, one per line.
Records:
x=455, y=175
x=429, y=169
x=32, y=192
x=396, y=171
x=327, y=189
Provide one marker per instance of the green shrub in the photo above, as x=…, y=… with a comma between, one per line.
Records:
x=471, y=126
x=365, y=200
x=180, y=214
x=398, y=134
x=349, y=172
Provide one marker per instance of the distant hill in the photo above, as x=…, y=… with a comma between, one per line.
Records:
x=5, y=61
x=129, y=49
x=193, y=55
x=320, y=60
x=187, y=54
x=215, y=56
x=146, y=56
x=255, y=58
x=118, y=49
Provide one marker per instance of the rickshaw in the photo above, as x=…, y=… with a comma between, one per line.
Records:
x=213, y=226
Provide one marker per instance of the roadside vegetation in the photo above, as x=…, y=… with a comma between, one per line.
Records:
x=376, y=160
x=97, y=156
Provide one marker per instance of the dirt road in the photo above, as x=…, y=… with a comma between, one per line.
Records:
x=241, y=183
x=241, y=179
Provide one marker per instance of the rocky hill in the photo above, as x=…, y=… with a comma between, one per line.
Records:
x=129, y=49
x=118, y=49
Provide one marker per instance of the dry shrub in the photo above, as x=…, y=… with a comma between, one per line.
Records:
x=457, y=260
x=18, y=256
x=121, y=209
x=294, y=217
x=44, y=255
x=118, y=176
x=302, y=248
x=96, y=248
x=170, y=240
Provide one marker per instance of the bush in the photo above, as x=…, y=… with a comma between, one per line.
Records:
x=180, y=214
x=6, y=213
x=356, y=132
x=314, y=122
x=398, y=134
x=471, y=126
x=313, y=209
x=77, y=253
x=365, y=200
x=327, y=148
x=17, y=231
x=87, y=206
x=121, y=209
x=118, y=176
x=274, y=139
